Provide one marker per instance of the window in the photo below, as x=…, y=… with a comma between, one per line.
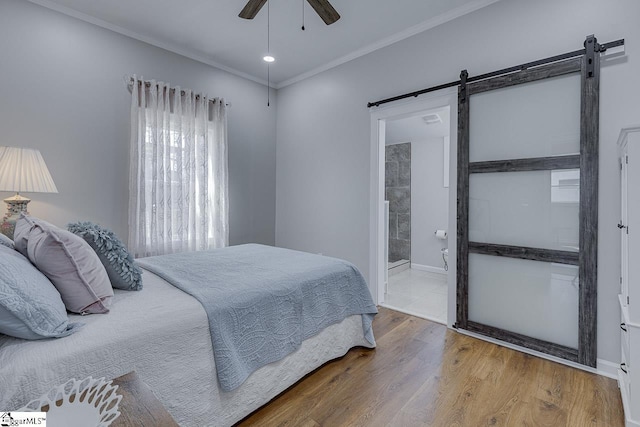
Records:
x=179, y=173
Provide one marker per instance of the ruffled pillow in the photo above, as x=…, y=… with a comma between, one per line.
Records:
x=120, y=266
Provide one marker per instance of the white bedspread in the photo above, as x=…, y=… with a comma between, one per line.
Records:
x=162, y=333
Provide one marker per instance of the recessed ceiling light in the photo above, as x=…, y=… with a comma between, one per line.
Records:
x=268, y=58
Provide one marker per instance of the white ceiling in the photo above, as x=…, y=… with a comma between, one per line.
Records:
x=210, y=31
x=414, y=129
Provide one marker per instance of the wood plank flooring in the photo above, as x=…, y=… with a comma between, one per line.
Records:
x=422, y=374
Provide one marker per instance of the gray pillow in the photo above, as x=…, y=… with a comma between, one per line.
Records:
x=122, y=270
x=68, y=261
x=30, y=306
x=4, y=240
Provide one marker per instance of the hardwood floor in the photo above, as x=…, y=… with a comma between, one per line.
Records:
x=422, y=374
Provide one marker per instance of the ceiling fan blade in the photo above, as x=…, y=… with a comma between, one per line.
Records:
x=325, y=10
x=251, y=9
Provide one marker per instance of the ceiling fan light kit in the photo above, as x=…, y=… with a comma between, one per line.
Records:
x=322, y=7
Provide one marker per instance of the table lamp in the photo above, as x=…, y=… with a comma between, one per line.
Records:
x=21, y=170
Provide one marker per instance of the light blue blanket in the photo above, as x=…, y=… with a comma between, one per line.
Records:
x=262, y=302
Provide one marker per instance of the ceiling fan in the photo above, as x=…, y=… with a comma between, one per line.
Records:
x=322, y=8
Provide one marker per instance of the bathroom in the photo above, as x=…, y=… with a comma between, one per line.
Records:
x=417, y=201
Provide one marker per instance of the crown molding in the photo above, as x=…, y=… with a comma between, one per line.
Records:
x=409, y=32
x=149, y=40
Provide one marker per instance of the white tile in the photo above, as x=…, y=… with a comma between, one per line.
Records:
x=422, y=287
x=420, y=293
x=398, y=299
x=429, y=303
x=441, y=288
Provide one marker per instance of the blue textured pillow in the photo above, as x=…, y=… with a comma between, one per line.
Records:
x=4, y=240
x=30, y=306
x=121, y=269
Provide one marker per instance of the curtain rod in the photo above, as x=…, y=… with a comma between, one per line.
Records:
x=603, y=48
x=129, y=81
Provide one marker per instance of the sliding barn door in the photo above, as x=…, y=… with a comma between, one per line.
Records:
x=527, y=207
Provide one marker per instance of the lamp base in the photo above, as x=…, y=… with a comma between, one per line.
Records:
x=15, y=206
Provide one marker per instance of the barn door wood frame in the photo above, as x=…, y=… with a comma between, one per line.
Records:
x=587, y=63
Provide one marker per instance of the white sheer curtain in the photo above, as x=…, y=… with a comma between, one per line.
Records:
x=178, y=182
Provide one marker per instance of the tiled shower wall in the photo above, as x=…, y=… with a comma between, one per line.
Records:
x=398, y=193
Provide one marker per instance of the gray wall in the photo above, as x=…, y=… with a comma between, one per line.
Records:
x=398, y=193
x=63, y=93
x=429, y=202
x=323, y=150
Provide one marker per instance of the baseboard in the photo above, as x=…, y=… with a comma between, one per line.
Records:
x=603, y=367
x=607, y=369
x=428, y=268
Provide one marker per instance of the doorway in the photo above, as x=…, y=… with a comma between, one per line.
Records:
x=426, y=256
x=417, y=208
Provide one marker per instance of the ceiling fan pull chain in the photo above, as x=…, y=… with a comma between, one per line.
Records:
x=302, y=15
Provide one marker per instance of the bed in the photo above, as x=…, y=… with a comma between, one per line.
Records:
x=163, y=334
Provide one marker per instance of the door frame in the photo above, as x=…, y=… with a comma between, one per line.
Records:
x=379, y=116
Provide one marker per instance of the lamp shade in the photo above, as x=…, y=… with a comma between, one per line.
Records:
x=24, y=170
